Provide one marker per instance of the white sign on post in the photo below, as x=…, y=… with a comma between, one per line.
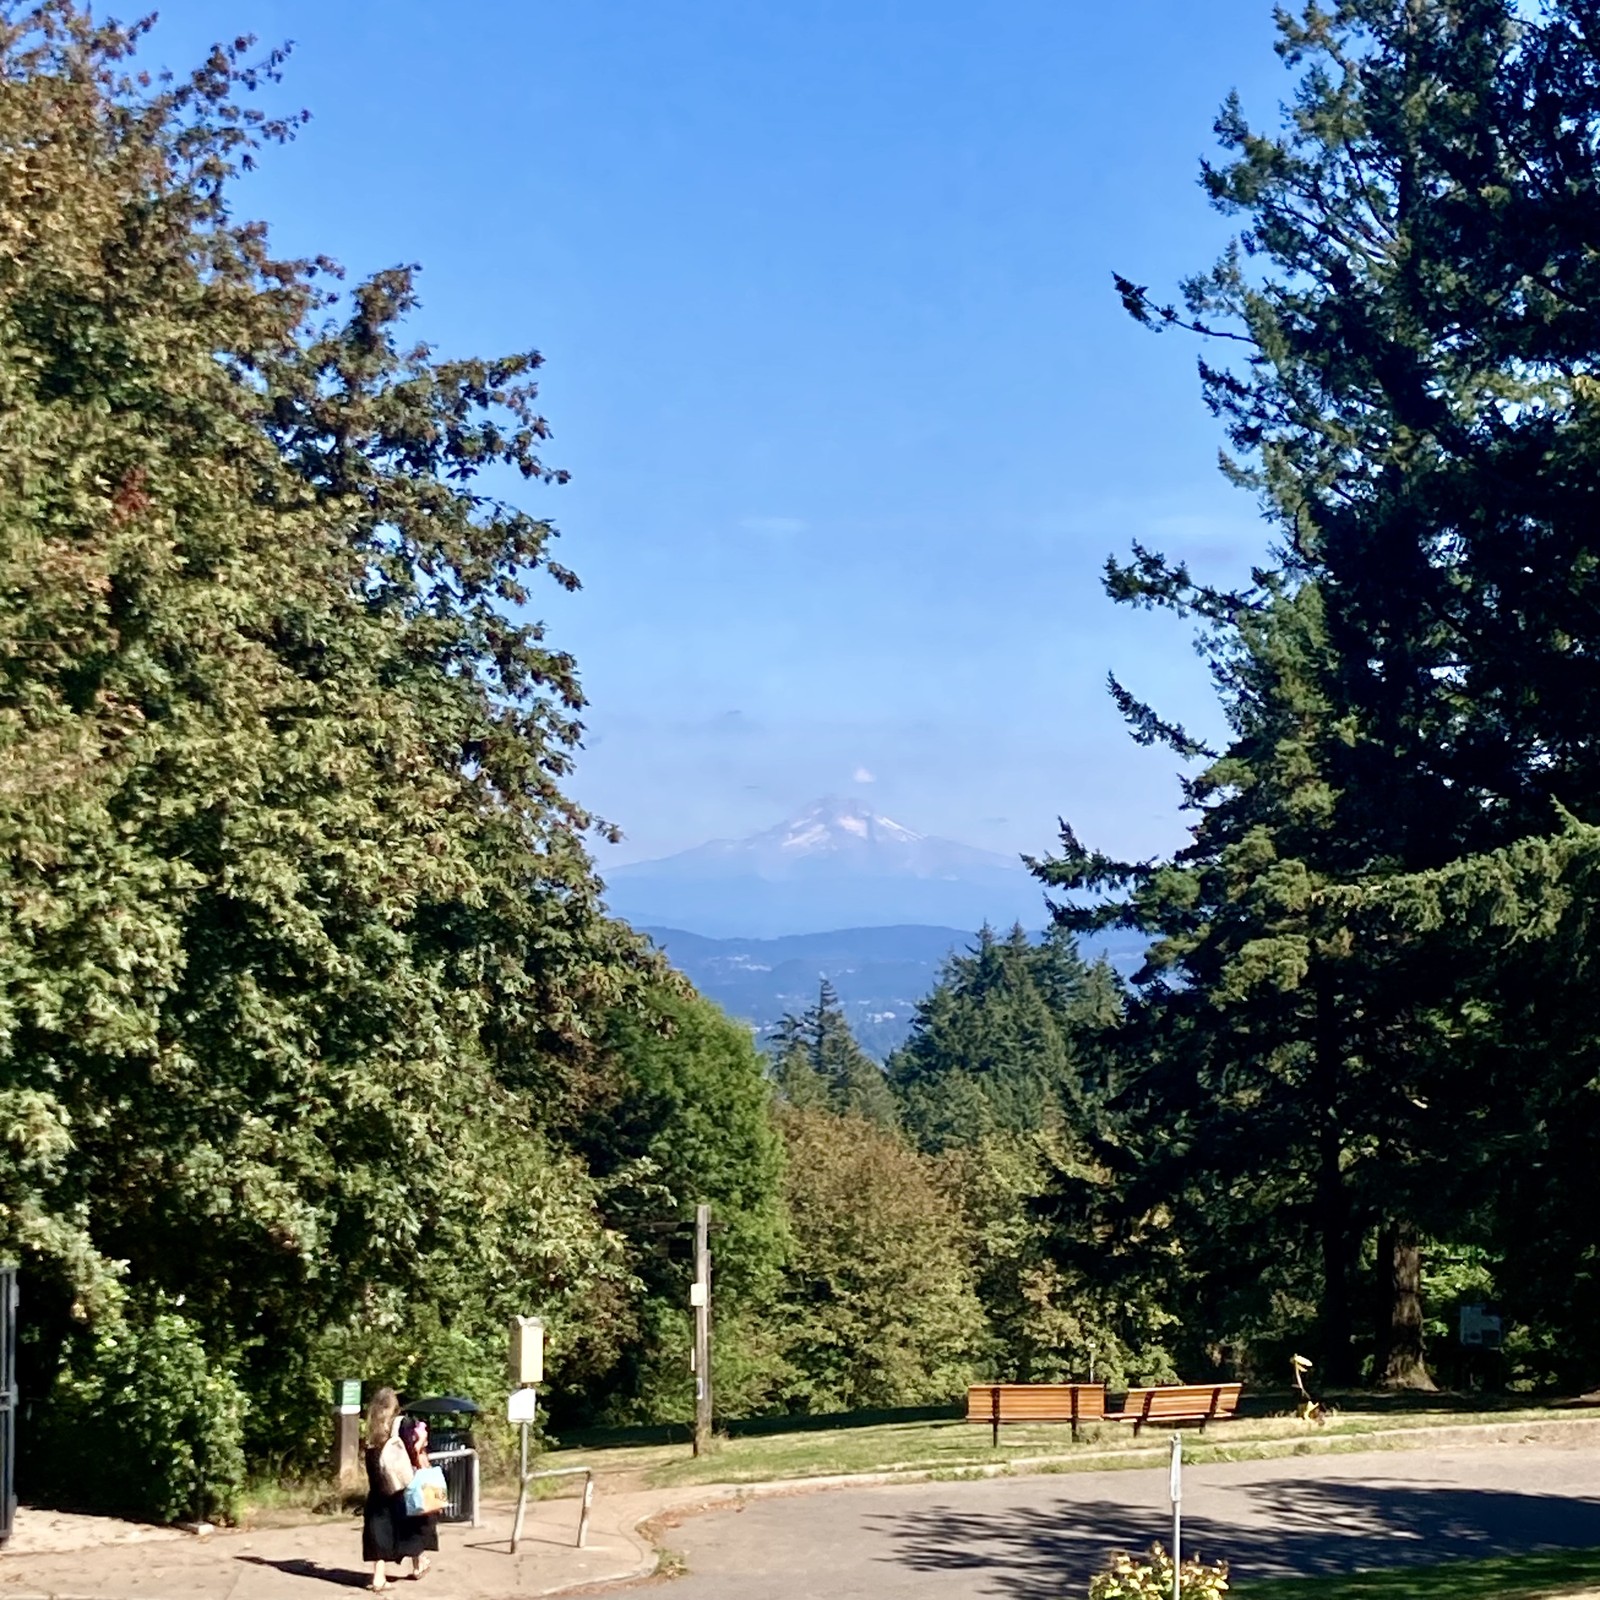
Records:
x=522, y=1406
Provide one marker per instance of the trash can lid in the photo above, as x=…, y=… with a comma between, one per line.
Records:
x=441, y=1405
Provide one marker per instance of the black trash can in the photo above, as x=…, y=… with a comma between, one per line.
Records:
x=453, y=1450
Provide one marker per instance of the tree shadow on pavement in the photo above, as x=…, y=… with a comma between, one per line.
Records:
x=1283, y=1530
x=299, y=1567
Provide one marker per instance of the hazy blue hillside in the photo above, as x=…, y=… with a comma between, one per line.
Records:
x=880, y=973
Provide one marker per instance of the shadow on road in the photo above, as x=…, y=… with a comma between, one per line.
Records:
x=301, y=1568
x=1041, y=1553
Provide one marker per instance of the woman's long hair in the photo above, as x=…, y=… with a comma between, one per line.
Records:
x=382, y=1409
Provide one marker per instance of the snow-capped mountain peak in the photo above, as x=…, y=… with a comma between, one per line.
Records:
x=832, y=824
x=834, y=863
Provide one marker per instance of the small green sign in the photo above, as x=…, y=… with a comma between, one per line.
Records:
x=347, y=1394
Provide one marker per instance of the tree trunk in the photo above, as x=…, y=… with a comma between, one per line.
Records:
x=1332, y=1202
x=1338, y=1356
x=1399, y=1361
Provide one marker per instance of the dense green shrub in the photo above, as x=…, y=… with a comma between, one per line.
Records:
x=144, y=1423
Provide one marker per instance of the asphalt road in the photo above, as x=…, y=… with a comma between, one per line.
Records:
x=1042, y=1538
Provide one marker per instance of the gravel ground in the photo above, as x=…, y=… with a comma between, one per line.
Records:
x=53, y=1532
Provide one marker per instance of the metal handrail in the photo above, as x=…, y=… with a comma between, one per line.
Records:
x=556, y=1472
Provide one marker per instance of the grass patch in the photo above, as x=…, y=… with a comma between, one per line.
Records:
x=1526, y=1577
x=940, y=1443
x=285, y=1503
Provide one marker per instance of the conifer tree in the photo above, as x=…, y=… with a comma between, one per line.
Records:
x=1399, y=348
x=818, y=1063
x=989, y=1048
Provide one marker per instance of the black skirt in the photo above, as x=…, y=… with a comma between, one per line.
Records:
x=415, y=1536
x=387, y=1533
x=378, y=1528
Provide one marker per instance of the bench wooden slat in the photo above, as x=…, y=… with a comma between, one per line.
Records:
x=1191, y=1402
x=1076, y=1403
x=995, y=1403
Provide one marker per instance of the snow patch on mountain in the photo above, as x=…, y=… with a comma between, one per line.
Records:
x=836, y=863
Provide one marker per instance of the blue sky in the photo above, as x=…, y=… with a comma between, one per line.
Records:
x=852, y=412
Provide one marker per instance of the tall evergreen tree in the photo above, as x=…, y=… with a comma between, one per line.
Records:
x=1409, y=681
x=989, y=1046
x=818, y=1062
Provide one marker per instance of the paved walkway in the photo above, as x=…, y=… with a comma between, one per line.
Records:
x=318, y=1558
x=1042, y=1538
x=1007, y=1538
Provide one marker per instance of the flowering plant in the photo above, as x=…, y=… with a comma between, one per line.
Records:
x=1129, y=1578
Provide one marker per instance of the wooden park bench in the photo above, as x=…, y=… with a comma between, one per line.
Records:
x=1177, y=1403
x=995, y=1403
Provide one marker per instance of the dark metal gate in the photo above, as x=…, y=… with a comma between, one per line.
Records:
x=8, y=1401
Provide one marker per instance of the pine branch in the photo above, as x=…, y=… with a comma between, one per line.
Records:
x=1149, y=729
x=1137, y=303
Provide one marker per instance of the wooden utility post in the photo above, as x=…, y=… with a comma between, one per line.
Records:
x=347, y=1470
x=700, y=1300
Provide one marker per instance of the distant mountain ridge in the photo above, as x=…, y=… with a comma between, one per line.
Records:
x=835, y=864
x=880, y=973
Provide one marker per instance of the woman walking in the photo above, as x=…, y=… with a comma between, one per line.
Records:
x=389, y=1470
x=416, y=1536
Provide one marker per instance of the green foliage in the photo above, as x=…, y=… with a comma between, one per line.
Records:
x=1128, y=1578
x=145, y=1423
x=680, y=1114
x=299, y=944
x=1060, y=1295
x=878, y=1306
x=817, y=1062
x=1319, y=1075
x=318, y=1056
x=1008, y=1073
x=988, y=1050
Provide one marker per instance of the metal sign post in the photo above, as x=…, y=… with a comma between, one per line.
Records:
x=347, y=1432
x=522, y=1406
x=8, y=1400
x=1175, y=1490
x=700, y=1300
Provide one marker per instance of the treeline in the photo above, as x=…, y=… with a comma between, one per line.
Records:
x=318, y=1055
x=319, y=1058
x=1354, y=1086
x=939, y=1206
